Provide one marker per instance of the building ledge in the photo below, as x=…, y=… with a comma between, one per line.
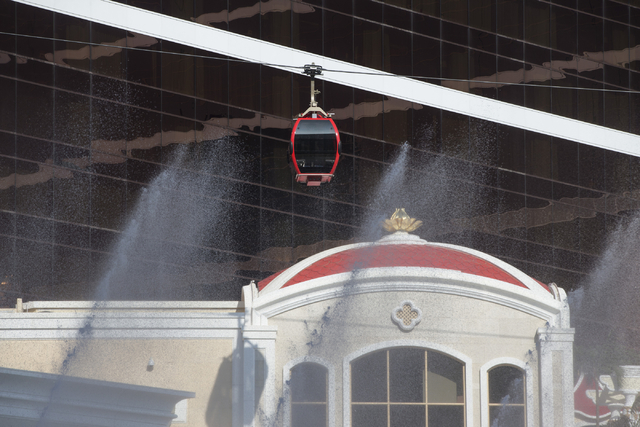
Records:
x=27, y=397
x=85, y=306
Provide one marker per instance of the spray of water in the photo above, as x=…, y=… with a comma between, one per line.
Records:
x=605, y=309
x=437, y=190
x=329, y=334
x=425, y=187
x=165, y=244
x=387, y=194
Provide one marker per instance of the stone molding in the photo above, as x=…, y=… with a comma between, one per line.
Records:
x=120, y=324
x=398, y=320
x=411, y=279
x=402, y=238
x=25, y=395
x=558, y=341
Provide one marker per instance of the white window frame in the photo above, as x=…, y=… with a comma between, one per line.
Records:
x=331, y=389
x=484, y=387
x=424, y=345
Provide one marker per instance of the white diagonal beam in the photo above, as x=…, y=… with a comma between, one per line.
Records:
x=237, y=46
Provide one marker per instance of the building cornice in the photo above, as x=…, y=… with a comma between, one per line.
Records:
x=132, y=324
x=410, y=279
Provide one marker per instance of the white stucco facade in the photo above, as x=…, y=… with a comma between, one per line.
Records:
x=479, y=321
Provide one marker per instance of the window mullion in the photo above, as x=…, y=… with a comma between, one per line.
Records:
x=426, y=389
x=388, y=392
x=464, y=393
x=326, y=390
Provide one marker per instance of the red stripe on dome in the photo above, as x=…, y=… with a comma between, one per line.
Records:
x=399, y=256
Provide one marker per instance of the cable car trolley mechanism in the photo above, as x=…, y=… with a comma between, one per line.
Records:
x=315, y=147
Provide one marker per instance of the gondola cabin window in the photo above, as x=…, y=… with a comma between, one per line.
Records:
x=402, y=387
x=315, y=146
x=308, y=387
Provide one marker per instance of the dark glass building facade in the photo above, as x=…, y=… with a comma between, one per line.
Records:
x=91, y=116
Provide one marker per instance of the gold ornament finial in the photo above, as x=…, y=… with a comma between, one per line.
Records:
x=400, y=221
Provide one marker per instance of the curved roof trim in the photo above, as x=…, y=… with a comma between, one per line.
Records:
x=275, y=282
x=540, y=304
x=378, y=256
x=510, y=274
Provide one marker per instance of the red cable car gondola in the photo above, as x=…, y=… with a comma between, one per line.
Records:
x=315, y=145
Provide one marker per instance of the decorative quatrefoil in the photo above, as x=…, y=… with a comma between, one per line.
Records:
x=406, y=316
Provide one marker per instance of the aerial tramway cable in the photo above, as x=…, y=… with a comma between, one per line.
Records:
x=297, y=67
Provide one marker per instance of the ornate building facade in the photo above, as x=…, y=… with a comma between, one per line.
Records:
x=399, y=331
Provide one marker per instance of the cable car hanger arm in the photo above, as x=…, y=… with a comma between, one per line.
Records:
x=313, y=70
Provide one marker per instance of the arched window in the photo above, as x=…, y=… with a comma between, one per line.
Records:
x=308, y=387
x=401, y=387
x=507, y=397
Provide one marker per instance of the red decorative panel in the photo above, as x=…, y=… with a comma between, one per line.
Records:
x=399, y=256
